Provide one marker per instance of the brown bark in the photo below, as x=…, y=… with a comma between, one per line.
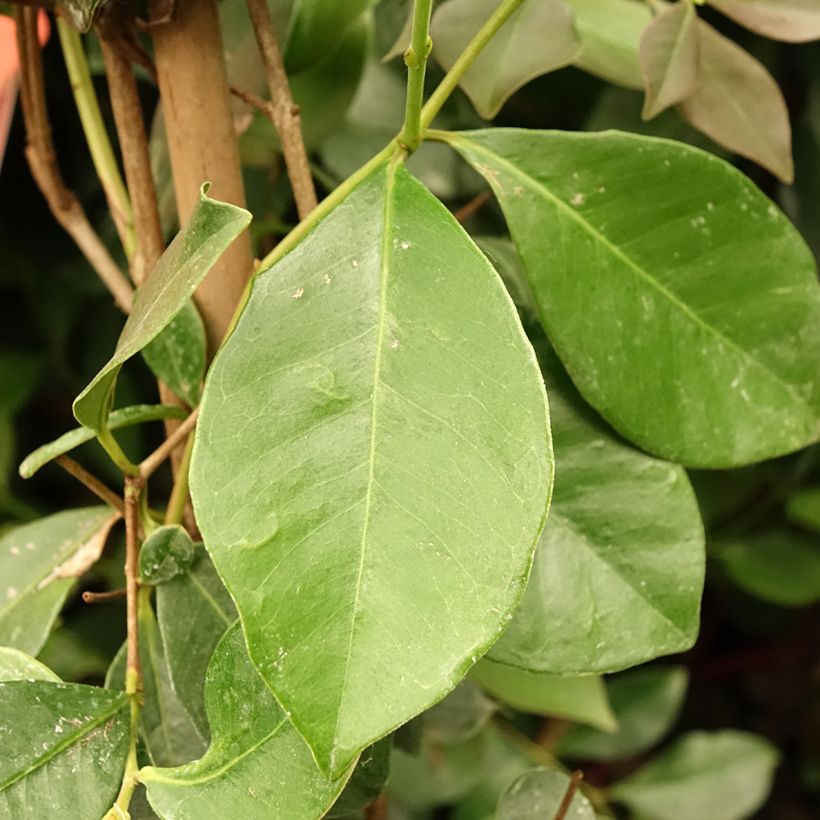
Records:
x=202, y=142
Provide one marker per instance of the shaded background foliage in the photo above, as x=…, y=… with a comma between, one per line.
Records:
x=756, y=665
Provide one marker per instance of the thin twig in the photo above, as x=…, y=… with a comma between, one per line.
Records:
x=574, y=783
x=101, y=597
x=178, y=502
x=133, y=671
x=284, y=113
x=472, y=207
x=42, y=160
x=150, y=464
x=91, y=482
x=252, y=100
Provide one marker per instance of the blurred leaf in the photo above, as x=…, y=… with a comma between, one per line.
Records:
x=73, y=657
x=804, y=508
x=778, y=566
x=81, y=12
x=610, y=32
x=501, y=252
x=166, y=553
x=366, y=783
x=28, y=554
x=738, y=104
x=394, y=27
x=538, y=38
x=19, y=376
x=177, y=355
x=16, y=665
x=124, y=417
x=211, y=228
x=582, y=699
x=720, y=775
x=539, y=794
x=460, y=716
x=794, y=21
x=670, y=54
x=646, y=703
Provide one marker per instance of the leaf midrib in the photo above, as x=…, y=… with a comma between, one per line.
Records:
x=616, y=251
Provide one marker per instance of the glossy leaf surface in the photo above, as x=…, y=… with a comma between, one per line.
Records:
x=704, y=298
x=211, y=228
x=539, y=794
x=166, y=553
x=795, y=21
x=538, y=38
x=363, y=484
x=256, y=764
x=28, y=555
x=720, y=775
x=619, y=569
x=64, y=748
x=646, y=703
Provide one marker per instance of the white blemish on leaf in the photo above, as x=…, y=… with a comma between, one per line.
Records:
x=11, y=592
x=578, y=199
x=298, y=293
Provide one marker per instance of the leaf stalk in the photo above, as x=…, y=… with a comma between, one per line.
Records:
x=415, y=58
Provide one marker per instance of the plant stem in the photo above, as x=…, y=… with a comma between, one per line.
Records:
x=96, y=135
x=415, y=58
x=91, y=482
x=115, y=453
x=175, y=511
x=150, y=464
x=465, y=60
x=42, y=160
x=282, y=111
x=133, y=672
x=574, y=782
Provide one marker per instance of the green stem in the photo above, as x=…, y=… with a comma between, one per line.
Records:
x=465, y=60
x=179, y=493
x=119, y=811
x=115, y=453
x=102, y=154
x=415, y=58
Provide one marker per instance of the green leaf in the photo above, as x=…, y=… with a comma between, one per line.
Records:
x=646, y=703
x=460, y=716
x=177, y=355
x=804, y=508
x=169, y=734
x=670, y=55
x=19, y=374
x=582, y=699
x=125, y=417
x=610, y=32
x=720, y=775
x=28, y=555
x=16, y=665
x=366, y=783
x=652, y=269
x=64, y=748
x=501, y=252
x=538, y=38
x=739, y=105
x=166, y=553
x=75, y=656
x=538, y=795
x=794, y=21
x=619, y=569
x=377, y=532
x=779, y=566
x=251, y=739
x=211, y=228
x=193, y=611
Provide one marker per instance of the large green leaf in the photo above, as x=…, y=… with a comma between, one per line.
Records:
x=538, y=795
x=646, y=703
x=64, y=748
x=619, y=569
x=124, y=417
x=720, y=775
x=28, y=555
x=211, y=228
x=795, y=21
x=16, y=665
x=256, y=766
x=193, y=611
x=703, y=298
x=365, y=486
x=582, y=699
x=538, y=38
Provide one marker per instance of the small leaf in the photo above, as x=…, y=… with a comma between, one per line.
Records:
x=778, y=566
x=793, y=21
x=363, y=596
x=650, y=269
x=610, y=32
x=720, y=775
x=537, y=38
x=64, y=748
x=16, y=665
x=125, y=417
x=804, y=508
x=739, y=105
x=581, y=699
x=538, y=795
x=646, y=703
x=166, y=553
x=28, y=555
x=211, y=228
x=251, y=738
x=670, y=55
x=177, y=355
x=460, y=716
x=193, y=611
